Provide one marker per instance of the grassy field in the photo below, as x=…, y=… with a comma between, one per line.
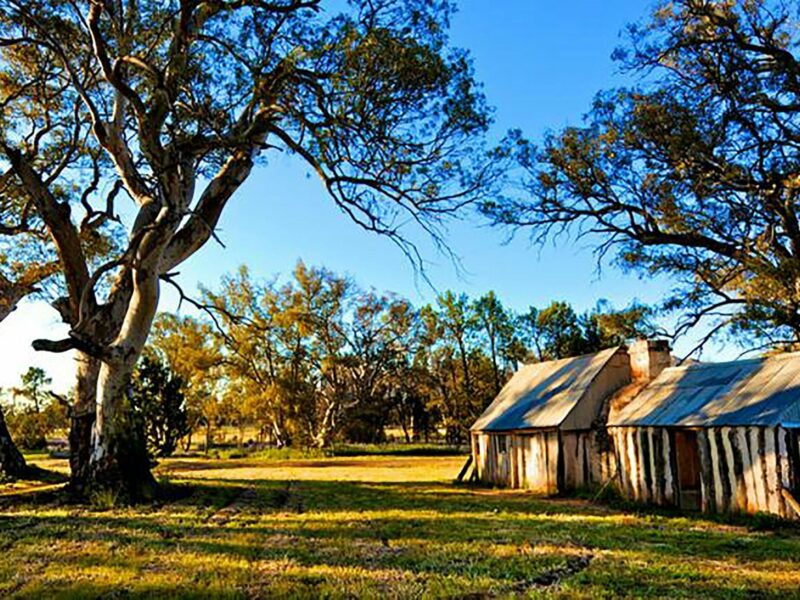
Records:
x=372, y=526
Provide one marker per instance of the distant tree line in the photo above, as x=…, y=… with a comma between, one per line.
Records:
x=33, y=413
x=318, y=359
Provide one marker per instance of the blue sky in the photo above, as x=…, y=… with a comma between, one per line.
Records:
x=541, y=63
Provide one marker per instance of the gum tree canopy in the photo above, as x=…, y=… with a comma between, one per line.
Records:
x=38, y=118
x=694, y=173
x=180, y=98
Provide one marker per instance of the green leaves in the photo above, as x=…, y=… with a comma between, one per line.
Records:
x=690, y=175
x=158, y=403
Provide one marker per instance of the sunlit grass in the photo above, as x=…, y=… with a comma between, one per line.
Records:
x=362, y=468
x=374, y=526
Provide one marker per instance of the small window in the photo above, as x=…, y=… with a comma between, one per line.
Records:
x=501, y=444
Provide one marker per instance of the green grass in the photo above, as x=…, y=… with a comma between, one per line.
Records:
x=264, y=454
x=233, y=452
x=390, y=449
x=373, y=526
x=397, y=449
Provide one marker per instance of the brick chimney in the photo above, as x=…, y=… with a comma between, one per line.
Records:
x=648, y=358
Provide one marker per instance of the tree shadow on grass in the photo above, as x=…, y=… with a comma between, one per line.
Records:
x=452, y=505
x=36, y=475
x=386, y=512
x=382, y=545
x=423, y=532
x=36, y=485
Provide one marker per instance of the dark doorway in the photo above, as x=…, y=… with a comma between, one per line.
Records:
x=687, y=459
x=794, y=459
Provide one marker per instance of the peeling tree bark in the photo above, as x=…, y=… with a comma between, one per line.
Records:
x=324, y=435
x=81, y=422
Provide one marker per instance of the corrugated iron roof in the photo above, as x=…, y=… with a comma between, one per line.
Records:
x=763, y=391
x=542, y=394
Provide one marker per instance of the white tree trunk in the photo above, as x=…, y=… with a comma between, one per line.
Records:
x=327, y=427
x=119, y=457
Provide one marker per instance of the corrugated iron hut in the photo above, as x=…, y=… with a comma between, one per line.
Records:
x=540, y=432
x=718, y=437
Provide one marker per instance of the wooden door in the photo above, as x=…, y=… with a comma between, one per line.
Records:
x=687, y=459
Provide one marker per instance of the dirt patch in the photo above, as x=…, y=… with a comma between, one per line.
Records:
x=243, y=501
x=553, y=577
x=248, y=500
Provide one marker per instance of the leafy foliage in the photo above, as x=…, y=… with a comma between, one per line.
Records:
x=557, y=331
x=34, y=388
x=692, y=174
x=159, y=405
x=316, y=359
x=188, y=346
x=34, y=413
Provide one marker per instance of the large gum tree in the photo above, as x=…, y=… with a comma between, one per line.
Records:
x=38, y=118
x=694, y=172
x=182, y=97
